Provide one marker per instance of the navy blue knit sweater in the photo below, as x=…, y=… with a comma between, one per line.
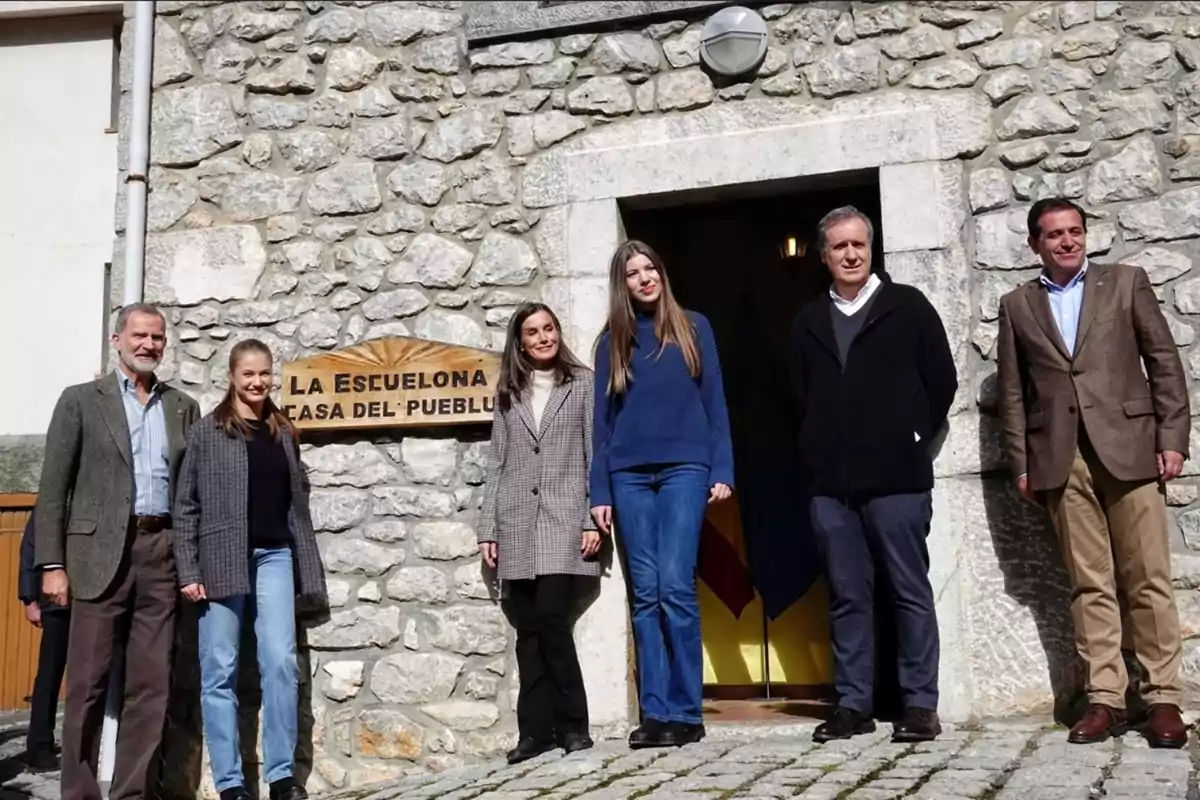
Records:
x=665, y=416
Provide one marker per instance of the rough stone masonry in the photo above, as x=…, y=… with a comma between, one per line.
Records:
x=324, y=173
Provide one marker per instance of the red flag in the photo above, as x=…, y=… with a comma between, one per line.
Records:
x=722, y=560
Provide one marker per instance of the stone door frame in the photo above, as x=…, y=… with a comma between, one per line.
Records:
x=913, y=140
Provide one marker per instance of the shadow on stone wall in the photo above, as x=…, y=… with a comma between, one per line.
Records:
x=184, y=767
x=1030, y=562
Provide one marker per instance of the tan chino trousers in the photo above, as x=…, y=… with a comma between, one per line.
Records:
x=1113, y=536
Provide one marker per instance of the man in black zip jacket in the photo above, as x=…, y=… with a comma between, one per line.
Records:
x=55, y=622
x=875, y=380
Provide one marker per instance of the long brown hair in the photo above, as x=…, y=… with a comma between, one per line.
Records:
x=671, y=324
x=516, y=366
x=226, y=413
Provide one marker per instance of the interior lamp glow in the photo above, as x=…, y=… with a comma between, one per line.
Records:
x=793, y=247
x=733, y=41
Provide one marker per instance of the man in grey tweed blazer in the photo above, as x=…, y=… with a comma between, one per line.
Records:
x=103, y=529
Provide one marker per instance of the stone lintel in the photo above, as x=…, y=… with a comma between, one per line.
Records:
x=765, y=142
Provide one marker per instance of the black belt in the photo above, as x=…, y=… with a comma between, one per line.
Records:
x=151, y=524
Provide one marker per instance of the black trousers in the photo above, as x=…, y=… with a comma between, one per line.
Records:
x=552, y=701
x=52, y=663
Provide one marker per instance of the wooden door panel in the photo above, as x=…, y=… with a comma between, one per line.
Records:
x=19, y=641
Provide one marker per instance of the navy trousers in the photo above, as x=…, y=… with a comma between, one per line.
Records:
x=853, y=538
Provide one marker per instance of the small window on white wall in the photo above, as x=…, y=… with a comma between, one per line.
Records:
x=114, y=111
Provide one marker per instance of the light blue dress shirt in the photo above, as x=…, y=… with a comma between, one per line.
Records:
x=1065, y=304
x=148, y=441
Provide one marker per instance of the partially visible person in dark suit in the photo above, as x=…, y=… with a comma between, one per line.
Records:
x=55, y=622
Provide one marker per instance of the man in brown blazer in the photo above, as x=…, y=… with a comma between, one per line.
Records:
x=103, y=526
x=1092, y=439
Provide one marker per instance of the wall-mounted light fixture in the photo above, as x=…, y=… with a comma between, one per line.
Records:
x=733, y=41
x=792, y=247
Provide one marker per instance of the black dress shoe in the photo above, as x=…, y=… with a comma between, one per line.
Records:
x=651, y=733
x=677, y=734
x=918, y=725
x=528, y=748
x=42, y=761
x=844, y=723
x=284, y=789
x=235, y=793
x=574, y=742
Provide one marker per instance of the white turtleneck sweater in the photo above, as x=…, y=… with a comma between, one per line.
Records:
x=540, y=386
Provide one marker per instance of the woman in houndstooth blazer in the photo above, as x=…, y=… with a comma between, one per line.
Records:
x=534, y=526
x=244, y=535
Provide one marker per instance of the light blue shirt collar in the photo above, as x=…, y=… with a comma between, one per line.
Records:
x=1066, y=303
x=1076, y=279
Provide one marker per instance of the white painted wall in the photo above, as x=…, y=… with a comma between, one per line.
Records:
x=50, y=8
x=58, y=173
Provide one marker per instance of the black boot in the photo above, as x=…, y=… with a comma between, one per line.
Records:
x=844, y=723
x=574, y=742
x=918, y=725
x=42, y=760
x=651, y=733
x=287, y=789
x=680, y=733
x=528, y=748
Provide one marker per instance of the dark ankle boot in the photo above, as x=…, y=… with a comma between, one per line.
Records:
x=576, y=741
x=844, y=723
x=651, y=733
x=918, y=725
x=678, y=734
x=528, y=748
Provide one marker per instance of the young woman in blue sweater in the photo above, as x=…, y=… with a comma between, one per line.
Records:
x=661, y=454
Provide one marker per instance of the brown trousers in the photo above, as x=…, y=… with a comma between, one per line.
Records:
x=136, y=614
x=1113, y=536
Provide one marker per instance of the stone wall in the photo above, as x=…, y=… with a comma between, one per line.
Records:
x=329, y=172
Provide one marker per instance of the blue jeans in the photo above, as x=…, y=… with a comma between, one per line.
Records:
x=659, y=510
x=274, y=599
x=890, y=530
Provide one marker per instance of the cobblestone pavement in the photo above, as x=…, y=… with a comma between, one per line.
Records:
x=15, y=784
x=1007, y=762
x=1013, y=761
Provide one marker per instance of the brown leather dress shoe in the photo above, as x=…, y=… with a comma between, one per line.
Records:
x=1099, y=723
x=1165, y=727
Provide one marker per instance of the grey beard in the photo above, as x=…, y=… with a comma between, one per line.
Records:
x=142, y=366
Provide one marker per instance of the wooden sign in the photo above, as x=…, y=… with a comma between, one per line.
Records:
x=391, y=383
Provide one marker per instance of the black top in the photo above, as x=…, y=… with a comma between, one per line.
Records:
x=860, y=422
x=269, y=496
x=847, y=326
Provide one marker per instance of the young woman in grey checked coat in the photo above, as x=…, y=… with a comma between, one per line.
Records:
x=534, y=526
x=244, y=537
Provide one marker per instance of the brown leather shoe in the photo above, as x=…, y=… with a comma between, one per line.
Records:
x=1099, y=723
x=1165, y=727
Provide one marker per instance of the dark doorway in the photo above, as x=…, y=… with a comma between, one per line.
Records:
x=729, y=257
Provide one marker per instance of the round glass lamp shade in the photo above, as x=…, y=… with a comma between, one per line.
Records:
x=733, y=41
